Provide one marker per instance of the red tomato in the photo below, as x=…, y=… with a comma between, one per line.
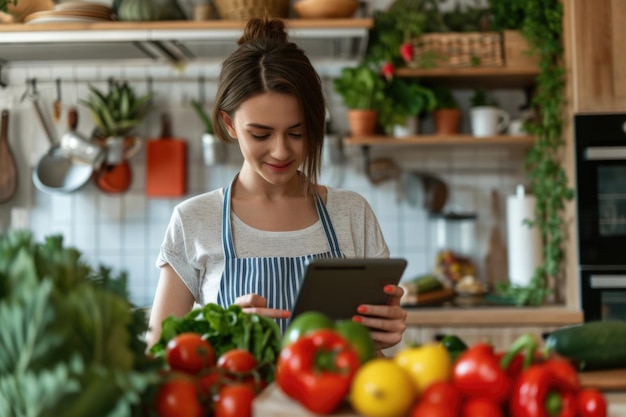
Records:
x=480, y=407
x=591, y=403
x=442, y=392
x=426, y=409
x=190, y=353
x=234, y=401
x=209, y=382
x=237, y=361
x=178, y=397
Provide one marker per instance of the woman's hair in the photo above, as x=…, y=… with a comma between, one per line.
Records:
x=266, y=61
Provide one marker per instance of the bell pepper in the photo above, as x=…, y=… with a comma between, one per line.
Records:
x=477, y=374
x=545, y=390
x=317, y=369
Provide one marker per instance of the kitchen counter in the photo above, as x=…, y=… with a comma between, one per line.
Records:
x=552, y=316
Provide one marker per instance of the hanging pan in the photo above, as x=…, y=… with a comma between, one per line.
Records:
x=55, y=172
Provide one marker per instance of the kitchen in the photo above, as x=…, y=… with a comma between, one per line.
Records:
x=125, y=230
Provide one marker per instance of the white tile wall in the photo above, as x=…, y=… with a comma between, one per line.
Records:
x=124, y=231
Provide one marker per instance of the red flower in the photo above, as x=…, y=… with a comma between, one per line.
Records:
x=406, y=51
x=387, y=70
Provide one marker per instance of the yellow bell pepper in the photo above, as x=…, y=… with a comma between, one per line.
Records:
x=425, y=364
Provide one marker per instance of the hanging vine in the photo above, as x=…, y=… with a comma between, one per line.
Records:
x=542, y=25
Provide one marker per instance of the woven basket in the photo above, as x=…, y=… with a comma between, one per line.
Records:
x=458, y=49
x=247, y=9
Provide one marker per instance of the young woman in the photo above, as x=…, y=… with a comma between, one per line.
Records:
x=248, y=243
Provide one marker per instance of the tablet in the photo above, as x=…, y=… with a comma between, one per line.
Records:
x=337, y=286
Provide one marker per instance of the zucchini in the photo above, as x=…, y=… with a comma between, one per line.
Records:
x=591, y=345
x=426, y=283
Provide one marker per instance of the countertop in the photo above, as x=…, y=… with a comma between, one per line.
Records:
x=505, y=316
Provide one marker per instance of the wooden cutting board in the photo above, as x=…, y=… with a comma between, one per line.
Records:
x=166, y=164
x=606, y=380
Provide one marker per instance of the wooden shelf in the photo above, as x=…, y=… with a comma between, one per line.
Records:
x=334, y=40
x=443, y=140
x=474, y=77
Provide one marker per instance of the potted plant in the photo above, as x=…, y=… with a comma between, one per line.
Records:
x=115, y=114
x=446, y=115
x=362, y=90
x=213, y=149
x=405, y=100
x=487, y=119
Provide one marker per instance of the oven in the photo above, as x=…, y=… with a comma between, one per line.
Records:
x=600, y=141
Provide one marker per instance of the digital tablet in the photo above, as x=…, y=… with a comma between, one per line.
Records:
x=337, y=286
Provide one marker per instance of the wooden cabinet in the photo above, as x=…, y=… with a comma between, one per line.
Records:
x=595, y=30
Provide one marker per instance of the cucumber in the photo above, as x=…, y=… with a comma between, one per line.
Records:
x=426, y=283
x=591, y=345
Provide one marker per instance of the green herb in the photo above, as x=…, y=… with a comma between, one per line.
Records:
x=69, y=346
x=407, y=98
x=360, y=87
x=228, y=329
x=206, y=119
x=482, y=98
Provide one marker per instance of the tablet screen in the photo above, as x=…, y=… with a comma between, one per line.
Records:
x=337, y=286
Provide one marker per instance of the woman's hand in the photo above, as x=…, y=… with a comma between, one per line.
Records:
x=254, y=303
x=387, y=322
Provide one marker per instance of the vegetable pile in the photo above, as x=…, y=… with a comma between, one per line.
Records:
x=69, y=344
x=321, y=370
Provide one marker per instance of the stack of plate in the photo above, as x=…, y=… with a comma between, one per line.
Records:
x=72, y=12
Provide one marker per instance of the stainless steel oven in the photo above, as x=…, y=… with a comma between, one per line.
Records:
x=600, y=141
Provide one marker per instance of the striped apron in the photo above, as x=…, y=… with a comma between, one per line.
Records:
x=278, y=278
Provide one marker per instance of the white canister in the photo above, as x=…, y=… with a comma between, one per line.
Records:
x=213, y=150
x=525, y=252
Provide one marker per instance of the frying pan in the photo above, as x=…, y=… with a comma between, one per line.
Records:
x=55, y=172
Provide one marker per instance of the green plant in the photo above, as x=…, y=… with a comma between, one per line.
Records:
x=405, y=98
x=402, y=21
x=482, y=98
x=118, y=111
x=203, y=115
x=360, y=87
x=444, y=99
x=508, y=14
x=542, y=26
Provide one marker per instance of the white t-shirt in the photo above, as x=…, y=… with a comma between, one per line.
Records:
x=193, y=239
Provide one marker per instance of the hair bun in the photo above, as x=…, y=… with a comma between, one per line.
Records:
x=266, y=30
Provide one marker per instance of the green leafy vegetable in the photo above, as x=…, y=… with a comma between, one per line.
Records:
x=70, y=342
x=227, y=329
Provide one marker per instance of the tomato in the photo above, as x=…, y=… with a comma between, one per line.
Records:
x=237, y=361
x=304, y=323
x=178, y=397
x=209, y=382
x=591, y=403
x=190, y=353
x=480, y=407
x=425, y=364
x=234, y=401
x=442, y=392
x=359, y=337
x=381, y=388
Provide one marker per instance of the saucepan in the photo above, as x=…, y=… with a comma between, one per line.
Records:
x=55, y=172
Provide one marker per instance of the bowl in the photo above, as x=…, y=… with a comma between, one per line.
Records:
x=325, y=9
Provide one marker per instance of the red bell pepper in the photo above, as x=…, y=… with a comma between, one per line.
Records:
x=477, y=374
x=591, y=403
x=317, y=370
x=545, y=390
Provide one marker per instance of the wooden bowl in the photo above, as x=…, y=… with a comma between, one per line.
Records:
x=325, y=9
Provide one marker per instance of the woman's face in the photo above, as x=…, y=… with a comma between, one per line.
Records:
x=269, y=128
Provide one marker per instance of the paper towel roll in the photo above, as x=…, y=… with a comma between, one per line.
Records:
x=523, y=242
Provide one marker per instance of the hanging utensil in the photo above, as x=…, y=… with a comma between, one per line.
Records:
x=56, y=105
x=55, y=172
x=8, y=169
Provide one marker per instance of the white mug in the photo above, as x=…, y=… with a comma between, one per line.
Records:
x=488, y=120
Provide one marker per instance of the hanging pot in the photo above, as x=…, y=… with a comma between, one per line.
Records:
x=55, y=172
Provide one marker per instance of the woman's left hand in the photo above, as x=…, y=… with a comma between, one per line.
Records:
x=387, y=322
